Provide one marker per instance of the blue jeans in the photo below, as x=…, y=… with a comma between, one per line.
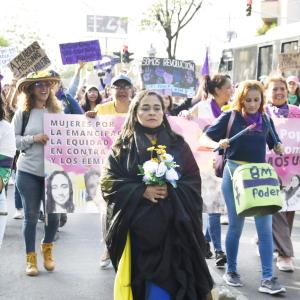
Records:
x=18, y=200
x=154, y=292
x=263, y=228
x=32, y=191
x=213, y=230
x=3, y=215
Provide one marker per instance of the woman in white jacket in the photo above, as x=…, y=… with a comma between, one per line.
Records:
x=7, y=153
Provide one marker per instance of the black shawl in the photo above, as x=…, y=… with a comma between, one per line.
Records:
x=167, y=240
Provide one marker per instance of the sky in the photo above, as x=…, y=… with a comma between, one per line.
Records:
x=63, y=21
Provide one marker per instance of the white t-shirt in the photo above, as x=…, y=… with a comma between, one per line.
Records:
x=7, y=139
x=204, y=109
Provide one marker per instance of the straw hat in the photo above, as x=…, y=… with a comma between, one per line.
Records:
x=33, y=77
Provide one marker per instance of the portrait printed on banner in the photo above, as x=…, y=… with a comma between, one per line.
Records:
x=59, y=193
x=92, y=190
x=291, y=194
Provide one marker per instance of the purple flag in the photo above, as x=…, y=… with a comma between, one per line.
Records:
x=205, y=67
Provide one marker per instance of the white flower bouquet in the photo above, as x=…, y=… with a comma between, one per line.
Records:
x=160, y=169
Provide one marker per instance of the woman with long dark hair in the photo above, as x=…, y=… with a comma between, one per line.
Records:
x=158, y=226
x=59, y=193
x=91, y=98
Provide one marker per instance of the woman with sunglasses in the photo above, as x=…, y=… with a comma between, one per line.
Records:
x=39, y=99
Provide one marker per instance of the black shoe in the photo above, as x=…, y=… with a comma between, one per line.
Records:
x=42, y=217
x=221, y=259
x=208, y=254
x=63, y=220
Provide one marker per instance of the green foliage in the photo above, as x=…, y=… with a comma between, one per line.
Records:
x=3, y=42
x=265, y=27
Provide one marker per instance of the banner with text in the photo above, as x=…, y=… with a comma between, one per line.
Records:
x=78, y=147
x=71, y=53
x=289, y=61
x=169, y=76
x=32, y=59
x=75, y=154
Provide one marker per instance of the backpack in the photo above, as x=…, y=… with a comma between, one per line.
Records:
x=25, y=119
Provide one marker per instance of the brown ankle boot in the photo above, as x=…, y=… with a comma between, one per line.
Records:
x=31, y=265
x=46, y=249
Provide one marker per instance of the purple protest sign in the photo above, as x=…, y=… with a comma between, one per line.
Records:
x=71, y=53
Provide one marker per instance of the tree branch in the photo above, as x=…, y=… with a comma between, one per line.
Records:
x=191, y=17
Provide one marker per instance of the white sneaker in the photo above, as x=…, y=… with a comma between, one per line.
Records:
x=19, y=214
x=224, y=220
x=285, y=264
x=106, y=264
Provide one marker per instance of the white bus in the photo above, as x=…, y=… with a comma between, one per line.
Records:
x=258, y=57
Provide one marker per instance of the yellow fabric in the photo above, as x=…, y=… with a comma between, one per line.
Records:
x=122, y=288
x=226, y=107
x=107, y=108
x=240, y=162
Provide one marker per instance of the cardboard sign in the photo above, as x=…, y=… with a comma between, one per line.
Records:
x=32, y=59
x=289, y=61
x=169, y=76
x=7, y=54
x=71, y=53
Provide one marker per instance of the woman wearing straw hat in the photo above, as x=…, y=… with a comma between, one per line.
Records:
x=39, y=99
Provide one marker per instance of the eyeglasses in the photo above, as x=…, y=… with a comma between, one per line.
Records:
x=121, y=87
x=40, y=84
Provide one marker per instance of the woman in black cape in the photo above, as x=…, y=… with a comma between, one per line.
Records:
x=165, y=226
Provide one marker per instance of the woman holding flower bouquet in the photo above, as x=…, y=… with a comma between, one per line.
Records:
x=152, y=187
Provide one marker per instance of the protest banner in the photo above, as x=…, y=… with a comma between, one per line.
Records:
x=32, y=59
x=287, y=166
x=289, y=61
x=79, y=147
x=7, y=54
x=169, y=76
x=71, y=53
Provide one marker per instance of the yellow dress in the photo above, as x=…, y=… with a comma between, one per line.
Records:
x=122, y=288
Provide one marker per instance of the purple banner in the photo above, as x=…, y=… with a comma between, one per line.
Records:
x=71, y=53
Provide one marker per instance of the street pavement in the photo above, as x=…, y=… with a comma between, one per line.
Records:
x=78, y=276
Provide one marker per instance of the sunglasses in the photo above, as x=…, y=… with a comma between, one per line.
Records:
x=121, y=87
x=40, y=84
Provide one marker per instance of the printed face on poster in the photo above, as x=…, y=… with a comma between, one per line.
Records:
x=71, y=53
x=169, y=76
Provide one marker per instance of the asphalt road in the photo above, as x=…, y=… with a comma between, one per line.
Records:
x=78, y=276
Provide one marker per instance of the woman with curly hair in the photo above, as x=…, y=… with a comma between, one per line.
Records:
x=39, y=99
